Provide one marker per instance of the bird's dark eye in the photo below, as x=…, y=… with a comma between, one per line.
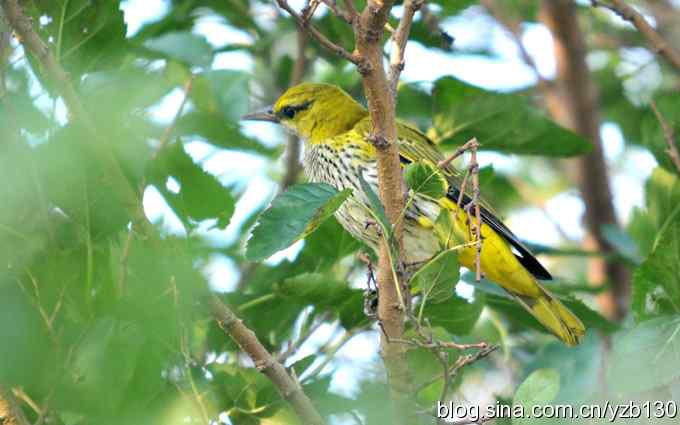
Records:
x=288, y=112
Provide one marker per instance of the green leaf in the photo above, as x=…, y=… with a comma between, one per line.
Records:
x=87, y=35
x=502, y=122
x=540, y=388
x=498, y=187
x=325, y=294
x=222, y=92
x=377, y=208
x=426, y=179
x=200, y=197
x=218, y=132
x=414, y=104
x=293, y=215
x=662, y=195
x=656, y=283
x=645, y=357
x=437, y=279
x=106, y=357
x=653, y=136
x=450, y=8
x=457, y=315
x=580, y=368
x=182, y=46
x=323, y=248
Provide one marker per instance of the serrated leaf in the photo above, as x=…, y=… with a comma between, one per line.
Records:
x=425, y=178
x=500, y=121
x=656, y=283
x=437, y=279
x=88, y=35
x=653, y=135
x=539, y=388
x=293, y=215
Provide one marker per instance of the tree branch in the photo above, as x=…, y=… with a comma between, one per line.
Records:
x=399, y=39
x=381, y=106
x=318, y=36
x=576, y=107
x=23, y=28
x=659, y=45
x=369, y=28
x=669, y=135
x=288, y=387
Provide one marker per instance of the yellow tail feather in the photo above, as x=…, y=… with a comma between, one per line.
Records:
x=500, y=265
x=552, y=314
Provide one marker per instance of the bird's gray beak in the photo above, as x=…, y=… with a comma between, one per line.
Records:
x=265, y=114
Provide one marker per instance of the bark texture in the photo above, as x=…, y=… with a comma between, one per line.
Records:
x=381, y=106
x=576, y=107
x=289, y=388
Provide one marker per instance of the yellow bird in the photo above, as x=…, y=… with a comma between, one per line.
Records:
x=335, y=129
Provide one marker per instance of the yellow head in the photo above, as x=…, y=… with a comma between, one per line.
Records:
x=315, y=112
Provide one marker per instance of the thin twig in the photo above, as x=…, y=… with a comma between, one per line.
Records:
x=461, y=150
x=433, y=25
x=288, y=388
x=460, y=363
x=425, y=339
x=345, y=15
x=474, y=167
x=472, y=170
x=293, y=347
x=659, y=44
x=399, y=39
x=331, y=351
x=318, y=36
x=669, y=135
x=189, y=362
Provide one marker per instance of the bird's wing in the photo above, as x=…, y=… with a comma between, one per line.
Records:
x=415, y=146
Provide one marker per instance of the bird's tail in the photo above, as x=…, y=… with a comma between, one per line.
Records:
x=552, y=314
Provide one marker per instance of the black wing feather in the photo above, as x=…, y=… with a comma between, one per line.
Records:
x=525, y=257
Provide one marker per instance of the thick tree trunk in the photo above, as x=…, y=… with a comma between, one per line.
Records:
x=576, y=108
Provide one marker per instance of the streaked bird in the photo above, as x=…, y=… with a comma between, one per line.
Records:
x=335, y=129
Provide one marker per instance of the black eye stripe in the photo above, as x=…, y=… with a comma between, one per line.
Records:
x=289, y=111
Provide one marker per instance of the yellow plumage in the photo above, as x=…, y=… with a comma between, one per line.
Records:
x=335, y=129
